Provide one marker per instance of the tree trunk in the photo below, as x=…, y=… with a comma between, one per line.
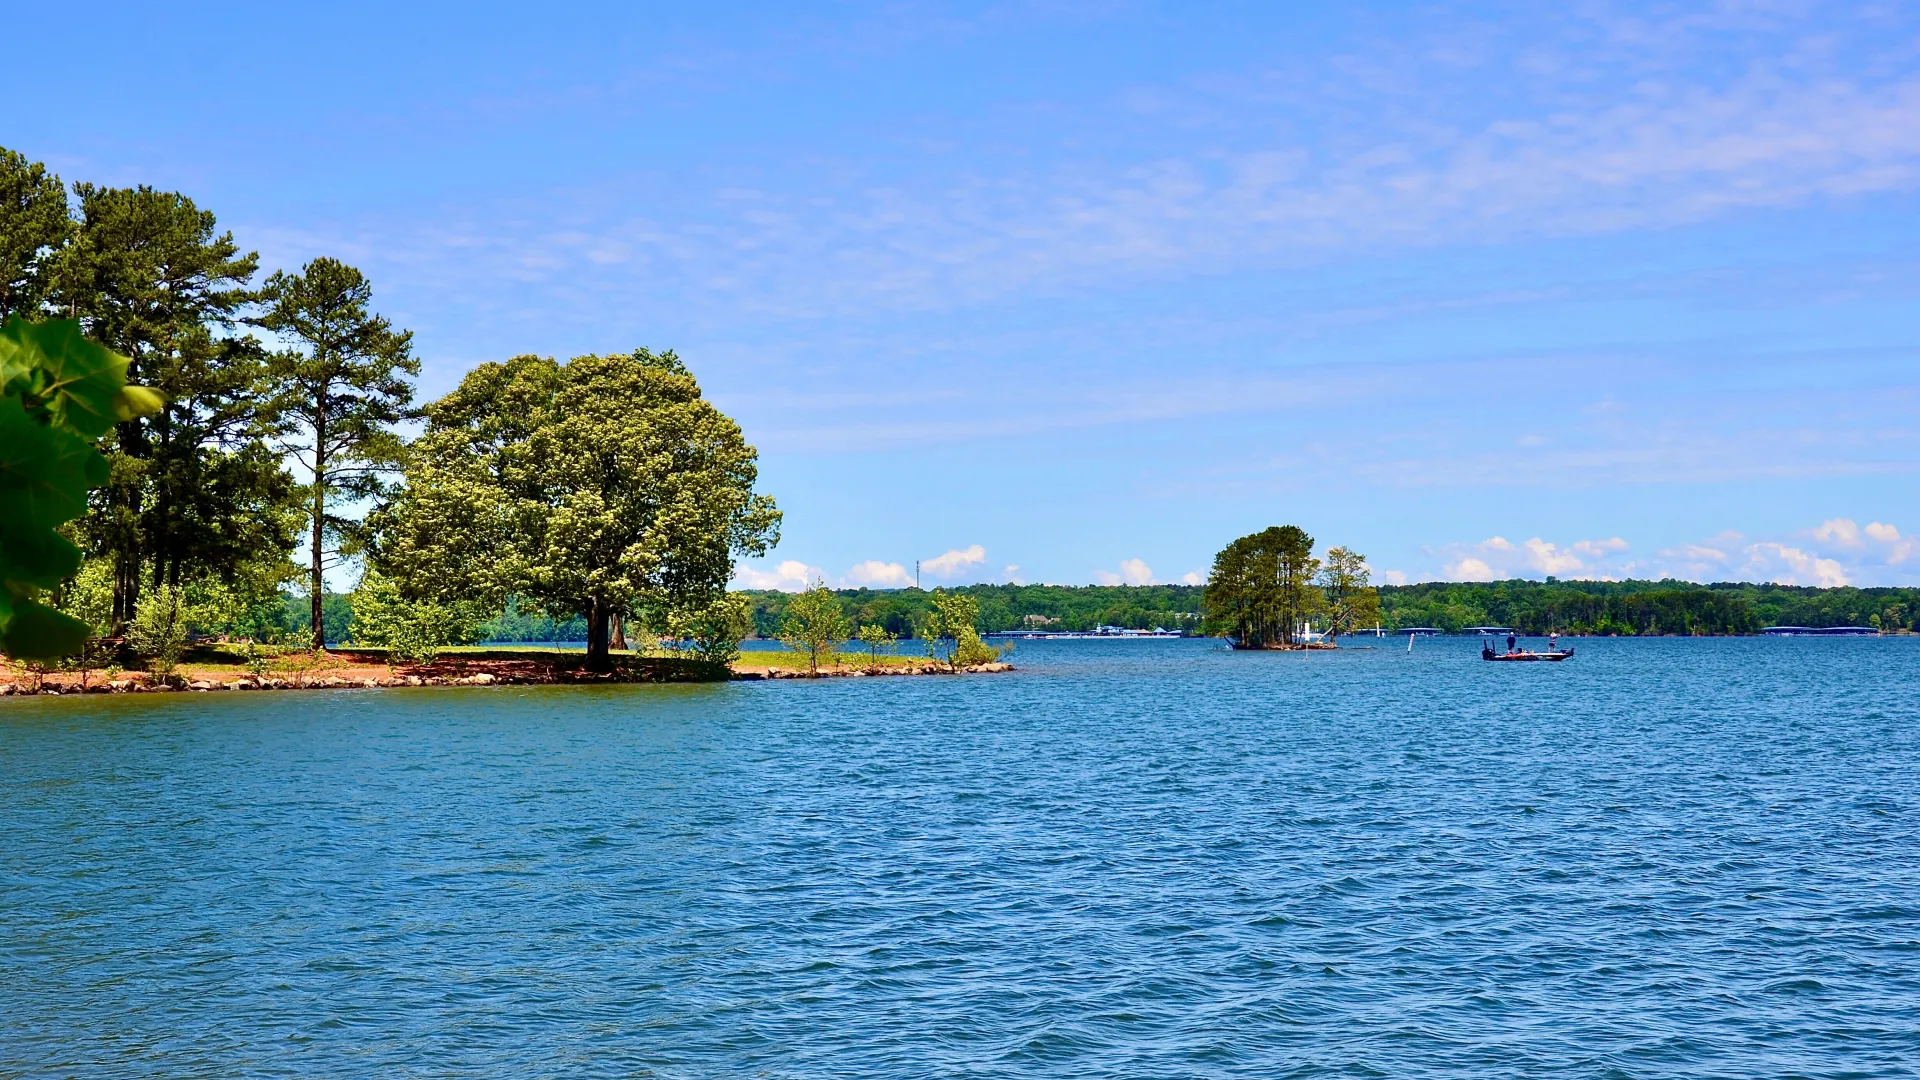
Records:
x=317, y=580
x=617, y=636
x=598, y=617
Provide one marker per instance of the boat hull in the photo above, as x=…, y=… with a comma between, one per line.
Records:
x=1526, y=657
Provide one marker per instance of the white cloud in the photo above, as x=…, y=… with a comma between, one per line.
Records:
x=1841, y=531
x=1393, y=577
x=874, y=574
x=953, y=562
x=1695, y=552
x=1836, y=552
x=1132, y=572
x=1470, y=569
x=1785, y=565
x=1012, y=573
x=1550, y=558
x=1600, y=548
x=790, y=576
x=1193, y=577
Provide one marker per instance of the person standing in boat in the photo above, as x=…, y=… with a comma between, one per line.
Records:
x=1510, y=641
x=1553, y=641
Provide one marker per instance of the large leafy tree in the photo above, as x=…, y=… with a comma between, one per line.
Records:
x=34, y=225
x=1261, y=588
x=193, y=489
x=1351, y=599
x=339, y=391
x=606, y=485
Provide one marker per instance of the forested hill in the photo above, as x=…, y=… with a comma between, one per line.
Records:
x=1576, y=607
x=1643, y=607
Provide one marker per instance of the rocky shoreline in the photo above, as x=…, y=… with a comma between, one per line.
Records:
x=876, y=672
x=495, y=674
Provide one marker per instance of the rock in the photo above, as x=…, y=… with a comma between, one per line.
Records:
x=332, y=682
x=99, y=688
x=482, y=679
x=413, y=680
x=371, y=684
x=199, y=684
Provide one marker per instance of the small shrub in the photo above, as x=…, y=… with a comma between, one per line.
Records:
x=715, y=631
x=158, y=633
x=875, y=638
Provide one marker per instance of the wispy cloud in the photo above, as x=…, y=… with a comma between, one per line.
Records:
x=1297, y=162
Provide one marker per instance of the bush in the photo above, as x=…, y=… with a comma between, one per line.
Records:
x=952, y=637
x=158, y=633
x=715, y=630
x=413, y=631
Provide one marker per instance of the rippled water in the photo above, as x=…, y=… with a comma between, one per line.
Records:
x=1664, y=858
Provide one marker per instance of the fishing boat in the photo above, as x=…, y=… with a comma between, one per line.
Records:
x=1520, y=656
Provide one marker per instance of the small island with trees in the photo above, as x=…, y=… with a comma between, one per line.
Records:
x=1267, y=591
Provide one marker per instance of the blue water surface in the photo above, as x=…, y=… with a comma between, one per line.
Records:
x=1128, y=859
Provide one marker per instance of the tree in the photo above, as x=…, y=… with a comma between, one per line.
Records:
x=876, y=637
x=1350, y=601
x=34, y=225
x=193, y=488
x=1261, y=589
x=606, y=485
x=953, y=634
x=338, y=392
x=58, y=394
x=815, y=625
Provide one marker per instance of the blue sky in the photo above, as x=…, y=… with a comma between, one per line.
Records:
x=1077, y=292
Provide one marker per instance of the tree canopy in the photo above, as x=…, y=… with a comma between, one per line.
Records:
x=1261, y=591
x=605, y=485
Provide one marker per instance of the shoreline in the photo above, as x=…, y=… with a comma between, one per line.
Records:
x=366, y=669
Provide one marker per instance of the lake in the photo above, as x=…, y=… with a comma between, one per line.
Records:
x=1128, y=859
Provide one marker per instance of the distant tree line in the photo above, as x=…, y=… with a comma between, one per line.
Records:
x=1625, y=608
x=904, y=612
x=1630, y=608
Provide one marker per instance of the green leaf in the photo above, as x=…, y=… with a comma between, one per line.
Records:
x=81, y=385
x=44, y=477
x=138, y=401
x=37, y=632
